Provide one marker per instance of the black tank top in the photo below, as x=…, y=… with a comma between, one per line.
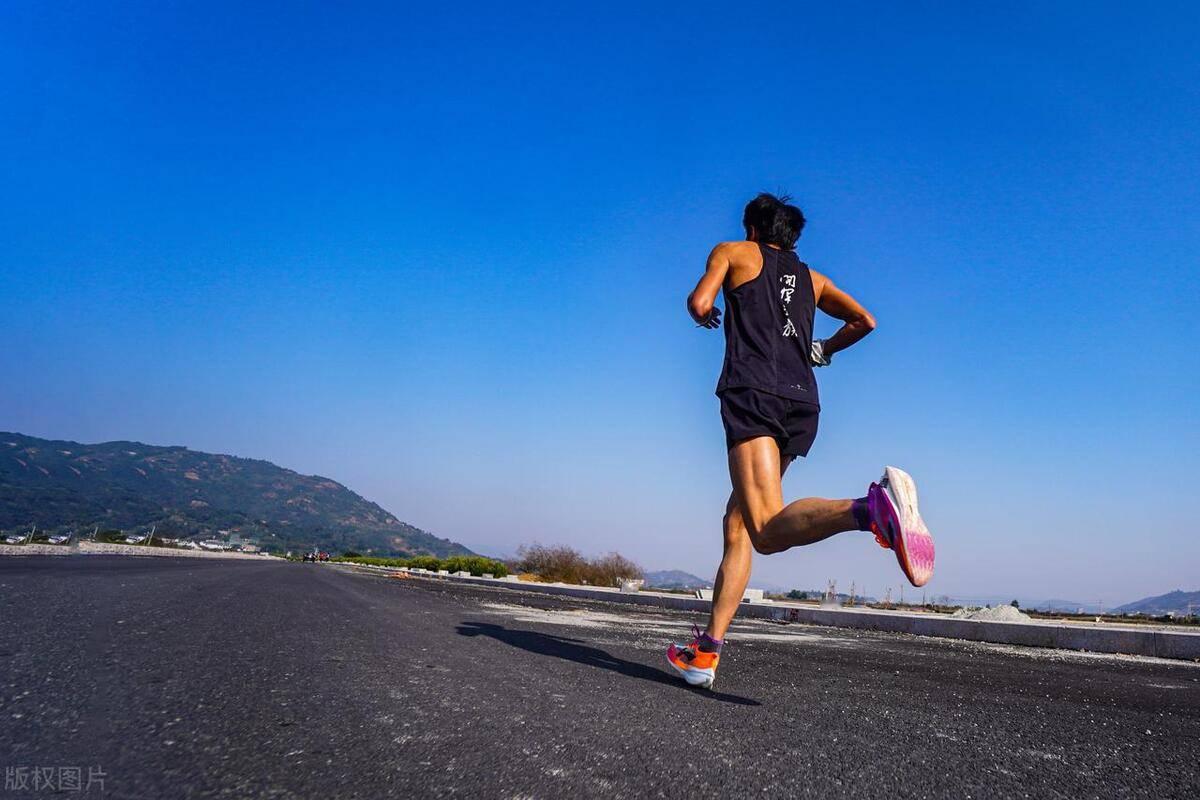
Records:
x=768, y=330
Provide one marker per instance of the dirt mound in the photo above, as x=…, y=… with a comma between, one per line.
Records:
x=993, y=614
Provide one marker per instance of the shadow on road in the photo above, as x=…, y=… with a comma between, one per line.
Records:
x=545, y=644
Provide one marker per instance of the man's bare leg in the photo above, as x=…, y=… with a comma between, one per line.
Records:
x=732, y=575
x=771, y=526
x=756, y=514
x=734, y=572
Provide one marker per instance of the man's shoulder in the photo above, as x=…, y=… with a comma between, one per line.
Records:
x=738, y=250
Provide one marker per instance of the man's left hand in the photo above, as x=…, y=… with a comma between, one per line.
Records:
x=818, y=356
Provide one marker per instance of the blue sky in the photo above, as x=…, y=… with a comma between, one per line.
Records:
x=441, y=256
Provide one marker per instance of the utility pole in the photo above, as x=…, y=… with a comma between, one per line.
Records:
x=29, y=539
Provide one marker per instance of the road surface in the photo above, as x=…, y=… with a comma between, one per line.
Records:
x=180, y=677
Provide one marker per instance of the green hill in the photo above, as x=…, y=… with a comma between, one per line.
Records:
x=1176, y=602
x=127, y=485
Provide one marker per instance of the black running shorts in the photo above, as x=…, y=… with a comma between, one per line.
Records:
x=747, y=413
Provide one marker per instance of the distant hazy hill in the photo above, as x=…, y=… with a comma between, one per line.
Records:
x=675, y=579
x=678, y=579
x=1176, y=601
x=125, y=485
x=1069, y=606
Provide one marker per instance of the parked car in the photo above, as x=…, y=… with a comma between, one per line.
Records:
x=310, y=557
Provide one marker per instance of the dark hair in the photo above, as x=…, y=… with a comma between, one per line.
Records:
x=773, y=220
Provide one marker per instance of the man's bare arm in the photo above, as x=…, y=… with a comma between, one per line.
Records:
x=840, y=305
x=700, y=301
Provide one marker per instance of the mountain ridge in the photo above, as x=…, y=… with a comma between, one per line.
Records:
x=1176, y=602
x=61, y=484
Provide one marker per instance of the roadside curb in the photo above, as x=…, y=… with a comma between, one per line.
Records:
x=1100, y=638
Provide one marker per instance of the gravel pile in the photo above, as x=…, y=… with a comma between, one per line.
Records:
x=993, y=614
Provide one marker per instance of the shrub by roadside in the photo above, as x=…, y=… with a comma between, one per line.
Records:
x=567, y=565
x=476, y=565
x=560, y=563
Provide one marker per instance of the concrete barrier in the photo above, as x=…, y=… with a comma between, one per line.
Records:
x=36, y=550
x=748, y=596
x=106, y=548
x=1105, y=637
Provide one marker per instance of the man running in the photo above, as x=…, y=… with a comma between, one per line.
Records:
x=769, y=407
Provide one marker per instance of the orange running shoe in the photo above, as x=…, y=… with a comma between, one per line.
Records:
x=694, y=665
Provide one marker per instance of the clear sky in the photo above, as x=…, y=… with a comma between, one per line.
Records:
x=440, y=254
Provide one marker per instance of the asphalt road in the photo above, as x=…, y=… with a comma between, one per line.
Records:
x=196, y=678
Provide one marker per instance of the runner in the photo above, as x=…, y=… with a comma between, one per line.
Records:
x=770, y=408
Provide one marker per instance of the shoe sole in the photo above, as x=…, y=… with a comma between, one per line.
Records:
x=913, y=544
x=703, y=679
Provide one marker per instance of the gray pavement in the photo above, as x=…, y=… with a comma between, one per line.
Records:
x=182, y=678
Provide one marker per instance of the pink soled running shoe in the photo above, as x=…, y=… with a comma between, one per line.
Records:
x=898, y=526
